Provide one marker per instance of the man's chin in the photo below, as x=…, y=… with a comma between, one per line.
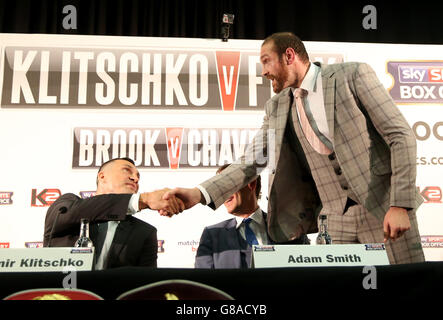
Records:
x=277, y=89
x=230, y=209
x=129, y=190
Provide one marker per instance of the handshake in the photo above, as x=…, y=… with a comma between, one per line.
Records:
x=169, y=202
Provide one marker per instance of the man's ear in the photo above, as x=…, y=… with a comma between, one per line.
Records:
x=100, y=176
x=252, y=185
x=290, y=56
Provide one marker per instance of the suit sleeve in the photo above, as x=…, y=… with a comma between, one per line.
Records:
x=149, y=250
x=240, y=172
x=396, y=132
x=204, y=258
x=96, y=209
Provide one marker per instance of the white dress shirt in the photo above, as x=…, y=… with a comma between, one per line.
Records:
x=112, y=227
x=312, y=83
x=257, y=225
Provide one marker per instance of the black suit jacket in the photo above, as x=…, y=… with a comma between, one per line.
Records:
x=134, y=243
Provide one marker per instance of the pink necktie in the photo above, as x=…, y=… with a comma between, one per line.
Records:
x=310, y=135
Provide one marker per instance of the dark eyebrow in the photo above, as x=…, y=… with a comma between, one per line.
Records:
x=132, y=168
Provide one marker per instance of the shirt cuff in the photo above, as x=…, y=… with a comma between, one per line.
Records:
x=133, y=204
x=205, y=194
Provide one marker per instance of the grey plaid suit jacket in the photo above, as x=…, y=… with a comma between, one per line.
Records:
x=372, y=141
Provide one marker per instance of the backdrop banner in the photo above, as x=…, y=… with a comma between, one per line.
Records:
x=180, y=108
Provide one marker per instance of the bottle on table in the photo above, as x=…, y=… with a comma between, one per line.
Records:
x=84, y=241
x=323, y=236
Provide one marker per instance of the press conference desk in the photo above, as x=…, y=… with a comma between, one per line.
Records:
x=413, y=282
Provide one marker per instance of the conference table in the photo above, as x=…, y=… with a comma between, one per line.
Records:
x=275, y=287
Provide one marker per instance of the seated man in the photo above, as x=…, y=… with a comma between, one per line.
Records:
x=119, y=238
x=228, y=243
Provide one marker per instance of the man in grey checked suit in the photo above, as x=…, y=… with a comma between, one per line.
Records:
x=363, y=178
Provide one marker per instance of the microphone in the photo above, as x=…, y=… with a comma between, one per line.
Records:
x=61, y=210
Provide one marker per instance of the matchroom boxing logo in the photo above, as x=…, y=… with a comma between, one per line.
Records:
x=416, y=81
x=168, y=148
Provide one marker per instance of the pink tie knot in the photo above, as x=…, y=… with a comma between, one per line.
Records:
x=300, y=93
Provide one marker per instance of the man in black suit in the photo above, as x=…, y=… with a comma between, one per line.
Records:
x=228, y=244
x=119, y=238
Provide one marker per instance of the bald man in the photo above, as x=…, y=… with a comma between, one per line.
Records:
x=119, y=238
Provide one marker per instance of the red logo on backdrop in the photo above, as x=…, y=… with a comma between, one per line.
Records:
x=431, y=194
x=174, y=136
x=45, y=198
x=4, y=245
x=228, y=63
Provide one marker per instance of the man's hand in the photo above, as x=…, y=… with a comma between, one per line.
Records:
x=396, y=223
x=190, y=197
x=155, y=201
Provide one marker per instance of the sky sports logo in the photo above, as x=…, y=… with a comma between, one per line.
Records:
x=416, y=81
x=35, y=244
x=87, y=194
x=6, y=197
x=432, y=241
x=421, y=74
x=160, y=246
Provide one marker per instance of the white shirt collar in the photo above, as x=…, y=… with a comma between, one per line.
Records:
x=257, y=216
x=309, y=82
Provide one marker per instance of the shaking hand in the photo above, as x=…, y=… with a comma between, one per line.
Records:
x=156, y=201
x=188, y=196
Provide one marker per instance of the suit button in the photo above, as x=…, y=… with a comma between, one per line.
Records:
x=331, y=156
x=338, y=172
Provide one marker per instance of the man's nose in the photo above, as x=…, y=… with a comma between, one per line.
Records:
x=134, y=178
x=264, y=72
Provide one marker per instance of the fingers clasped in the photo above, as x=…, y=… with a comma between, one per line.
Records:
x=155, y=200
x=171, y=206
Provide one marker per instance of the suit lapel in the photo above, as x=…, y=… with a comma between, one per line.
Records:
x=278, y=118
x=328, y=83
x=282, y=116
x=237, y=242
x=120, y=238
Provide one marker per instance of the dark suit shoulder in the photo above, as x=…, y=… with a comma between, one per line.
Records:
x=141, y=224
x=223, y=224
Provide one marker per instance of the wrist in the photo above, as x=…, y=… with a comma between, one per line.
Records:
x=144, y=201
x=202, y=199
x=400, y=209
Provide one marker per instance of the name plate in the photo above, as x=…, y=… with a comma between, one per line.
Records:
x=46, y=259
x=275, y=256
